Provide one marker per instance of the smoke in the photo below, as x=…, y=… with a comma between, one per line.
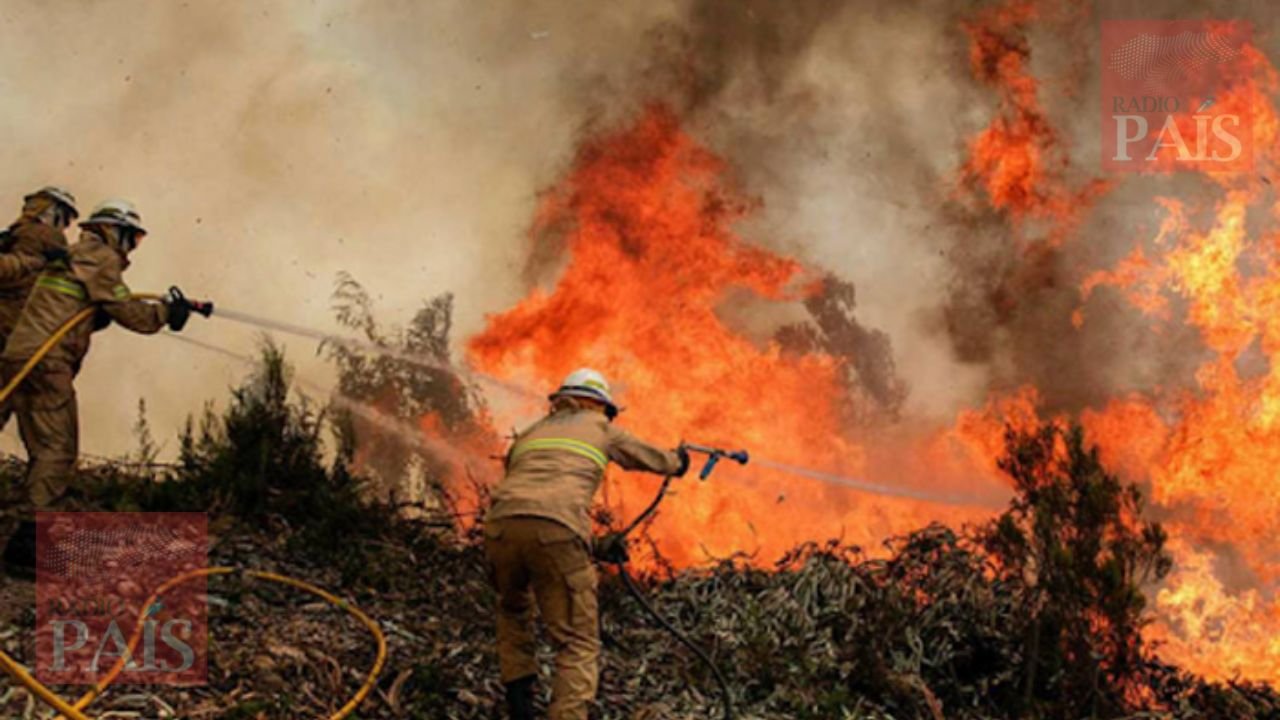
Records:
x=270, y=147
x=847, y=122
x=830, y=114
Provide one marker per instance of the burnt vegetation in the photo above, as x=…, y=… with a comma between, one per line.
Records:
x=1036, y=614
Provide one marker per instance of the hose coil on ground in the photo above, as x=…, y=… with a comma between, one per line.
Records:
x=76, y=711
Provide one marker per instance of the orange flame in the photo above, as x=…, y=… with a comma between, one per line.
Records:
x=1213, y=469
x=645, y=220
x=653, y=260
x=1017, y=161
x=1210, y=452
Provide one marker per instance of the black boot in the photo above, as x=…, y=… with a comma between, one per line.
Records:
x=520, y=698
x=20, y=552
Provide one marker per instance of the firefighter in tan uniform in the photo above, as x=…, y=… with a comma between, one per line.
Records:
x=45, y=402
x=538, y=540
x=32, y=240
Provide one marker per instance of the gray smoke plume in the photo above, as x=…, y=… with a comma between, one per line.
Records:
x=271, y=146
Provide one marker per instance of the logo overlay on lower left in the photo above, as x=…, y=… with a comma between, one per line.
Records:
x=97, y=608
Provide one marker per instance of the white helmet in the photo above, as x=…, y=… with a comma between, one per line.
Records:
x=116, y=212
x=590, y=384
x=59, y=195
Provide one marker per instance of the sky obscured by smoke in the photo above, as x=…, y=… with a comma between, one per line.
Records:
x=271, y=145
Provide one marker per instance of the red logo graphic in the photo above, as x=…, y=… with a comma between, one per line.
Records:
x=97, y=607
x=1170, y=97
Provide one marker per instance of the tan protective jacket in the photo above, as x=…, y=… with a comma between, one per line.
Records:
x=555, y=467
x=93, y=278
x=20, y=263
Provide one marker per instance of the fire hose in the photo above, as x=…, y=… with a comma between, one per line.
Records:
x=613, y=550
x=76, y=711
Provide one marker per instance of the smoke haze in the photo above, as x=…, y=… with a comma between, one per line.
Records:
x=270, y=146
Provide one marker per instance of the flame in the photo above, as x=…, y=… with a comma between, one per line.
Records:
x=1211, y=630
x=1247, y=85
x=646, y=218
x=1018, y=161
x=1209, y=452
x=1212, y=468
x=466, y=459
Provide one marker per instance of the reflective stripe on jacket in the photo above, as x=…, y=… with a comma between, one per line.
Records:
x=94, y=277
x=555, y=467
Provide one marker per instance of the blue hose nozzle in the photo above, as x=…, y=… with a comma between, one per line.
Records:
x=714, y=455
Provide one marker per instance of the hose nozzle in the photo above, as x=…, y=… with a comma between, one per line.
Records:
x=204, y=307
x=714, y=455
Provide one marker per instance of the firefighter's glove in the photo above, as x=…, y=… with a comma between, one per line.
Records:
x=101, y=319
x=55, y=254
x=612, y=548
x=178, y=310
x=683, y=453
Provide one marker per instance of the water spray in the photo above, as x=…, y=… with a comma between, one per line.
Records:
x=402, y=431
x=715, y=454
x=370, y=347
x=879, y=489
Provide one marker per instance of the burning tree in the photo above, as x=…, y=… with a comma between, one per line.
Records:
x=867, y=354
x=411, y=388
x=1074, y=537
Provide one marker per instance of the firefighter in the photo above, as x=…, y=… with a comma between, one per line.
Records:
x=34, y=239
x=538, y=540
x=45, y=401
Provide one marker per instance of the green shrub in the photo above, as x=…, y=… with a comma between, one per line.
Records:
x=262, y=461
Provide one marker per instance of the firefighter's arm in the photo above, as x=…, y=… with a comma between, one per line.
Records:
x=15, y=266
x=34, y=247
x=139, y=316
x=633, y=453
x=101, y=275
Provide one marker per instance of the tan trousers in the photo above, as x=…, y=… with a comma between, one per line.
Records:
x=45, y=404
x=534, y=561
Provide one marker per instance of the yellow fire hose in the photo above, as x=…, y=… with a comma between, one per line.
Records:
x=75, y=712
